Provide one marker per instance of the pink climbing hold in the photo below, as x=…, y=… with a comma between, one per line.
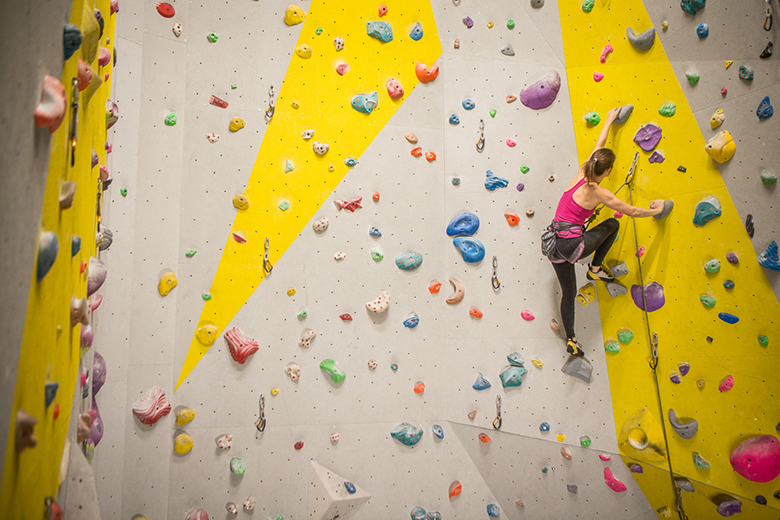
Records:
x=527, y=315
x=349, y=205
x=640, y=251
x=394, y=89
x=618, y=214
x=724, y=91
x=510, y=143
x=341, y=68
x=607, y=49
x=727, y=384
x=616, y=485
x=240, y=345
x=757, y=459
x=605, y=458
x=598, y=76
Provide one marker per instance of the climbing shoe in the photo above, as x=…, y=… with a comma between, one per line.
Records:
x=574, y=348
x=603, y=274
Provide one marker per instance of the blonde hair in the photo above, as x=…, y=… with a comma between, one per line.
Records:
x=602, y=160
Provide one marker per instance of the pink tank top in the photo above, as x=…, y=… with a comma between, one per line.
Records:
x=569, y=211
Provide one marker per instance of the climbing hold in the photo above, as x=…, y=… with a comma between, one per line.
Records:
x=512, y=376
x=481, y=383
x=321, y=225
x=578, y=366
x=728, y=505
x=511, y=99
x=417, y=32
x=746, y=72
x=724, y=91
x=597, y=76
x=537, y=4
x=454, y=119
x=769, y=258
x=625, y=336
x=380, y=304
x=293, y=15
x=483, y=438
x=382, y=31
x=365, y=103
x=508, y=50
x=749, y=227
x=306, y=338
x=643, y=41
x=571, y=488
x=767, y=177
x=593, y=118
x=206, y=334
x=493, y=181
x=471, y=249
x=668, y=110
x=468, y=104
x=418, y=513
x=183, y=444
x=349, y=205
x=407, y=434
x=394, y=89
x=605, y=52
x=419, y=388
x=692, y=6
x=213, y=37
x=686, y=430
x=692, y=76
x=411, y=138
x=492, y=509
x=475, y=313
x=336, y=374
x=424, y=74
x=434, y=287
x=684, y=367
x=712, y=266
x=512, y=218
x=544, y=427
x=614, y=484
x=71, y=39
x=527, y=315
x=706, y=210
x=48, y=246
x=236, y=124
x=515, y=359
x=303, y=51
x=339, y=256
x=584, y=441
x=541, y=94
x=510, y=24
x=412, y=321
x=170, y=119
x=176, y=29
x=767, y=52
x=52, y=106
x=184, y=416
x=459, y=292
x=152, y=407
x=727, y=384
x=237, y=467
x=338, y=43
x=586, y=294
x=241, y=202
x=284, y=206
x=382, y=10
x=757, y=459
x=165, y=9
x=511, y=143
x=674, y=377
x=463, y=224
x=648, y=137
x=374, y=232
x=409, y=261
x=455, y=489
x=291, y=291
x=288, y=166
x=345, y=317
x=224, y=442
x=587, y=5
x=728, y=284
x=212, y=137
x=430, y=156
x=721, y=147
x=67, y=192
x=707, y=301
x=703, y=30
x=612, y=346
x=732, y=258
x=717, y=118
x=699, y=461
x=468, y=22
x=765, y=109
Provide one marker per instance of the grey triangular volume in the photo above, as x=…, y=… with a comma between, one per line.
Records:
x=328, y=496
x=508, y=50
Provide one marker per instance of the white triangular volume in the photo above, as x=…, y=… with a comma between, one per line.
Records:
x=328, y=497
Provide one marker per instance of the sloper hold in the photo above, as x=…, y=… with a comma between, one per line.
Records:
x=721, y=147
x=769, y=258
x=765, y=109
x=463, y=224
x=471, y=249
x=706, y=210
x=382, y=31
x=328, y=498
x=542, y=93
x=668, y=206
x=686, y=430
x=508, y=50
x=692, y=6
x=623, y=113
x=643, y=41
x=578, y=366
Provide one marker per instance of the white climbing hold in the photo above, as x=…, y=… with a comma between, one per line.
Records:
x=380, y=304
x=306, y=338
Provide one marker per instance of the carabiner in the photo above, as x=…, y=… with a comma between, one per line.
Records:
x=768, y=18
x=269, y=112
x=654, y=351
x=494, y=280
x=260, y=424
x=267, y=267
x=481, y=142
x=74, y=121
x=497, y=421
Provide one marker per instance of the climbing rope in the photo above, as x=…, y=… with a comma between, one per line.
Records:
x=626, y=182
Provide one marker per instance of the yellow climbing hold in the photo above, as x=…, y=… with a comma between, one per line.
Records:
x=184, y=416
x=274, y=391
x=538, y=363
x=295, y=105
x=241, y=202
x=728, y=63
x=490, y=25
x=717, y=118
x=293, y=15
x=183, y=444
x=237, y=124
x=304, y=51
x=587, y=294
x=291, y=291
x=721, y=147
x=560, y=437
x=167, y=282
x=642, y=438
x=206, y=334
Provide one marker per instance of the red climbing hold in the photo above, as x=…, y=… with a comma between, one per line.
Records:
x=455, y=489
x=475, y=313
x=166, y=10
x=512, y=218
x=434, y=287
x=419, y=388
x=346, y=317
x=382, y=10
x=298, y=445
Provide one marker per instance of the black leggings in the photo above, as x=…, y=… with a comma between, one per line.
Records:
x=598, y=240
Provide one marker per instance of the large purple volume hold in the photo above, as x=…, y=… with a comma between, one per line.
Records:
x=648, y=137
x=96, y=430
x=654, y=296
x=98, y=373
x=542, y=93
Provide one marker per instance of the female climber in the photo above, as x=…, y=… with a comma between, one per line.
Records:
x=578, y=203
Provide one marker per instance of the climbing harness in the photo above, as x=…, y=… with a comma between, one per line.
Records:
x=267, y=267
x=768, y=16
x=74, y=124
x=481, y=142
x=494, y=280
x=626, y=182
x=260, y=425
x=269, y=112
x=497, y=420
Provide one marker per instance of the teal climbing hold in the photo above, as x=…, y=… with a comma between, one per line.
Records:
x=706, y=210
x=382, y=31
x=365, y=103
x=409, y=261
x=512, y=376
x=407, y=434
x=481, y=383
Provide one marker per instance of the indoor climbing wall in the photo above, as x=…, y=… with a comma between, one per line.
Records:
x=174, y=210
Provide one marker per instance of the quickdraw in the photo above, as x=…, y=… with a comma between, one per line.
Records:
x=481, y=142
x=267, y=267
x=494, y=280
x=269, y=112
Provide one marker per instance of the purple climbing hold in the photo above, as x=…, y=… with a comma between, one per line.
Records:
x=732, y=258
x=468, y=22
x=96, y=430
x=654, y=296
x=520, y=187
x=675, y=378
x=648, y=137
x=98, y=373
x=684, y=368
x=730, y=506
x=657, y=157
x=542, y=93
x=636, y=468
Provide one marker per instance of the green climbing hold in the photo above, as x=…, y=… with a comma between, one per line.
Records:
x=510, y=24
x=170, y=119
x=336, y=374
x=713, y=266
x=584, y=441
x=625, y=336
x=318, y=31
x=288, y=166
x=284, y=205
x=303, y=314
x=763, y=340
x=376, y=254
x=699, y=461
x=693, y=77
x=587, y=5
x=212, y=37
x=767, y=177
x=206, y=296
x=237, y=466
x=612, y=346
x=190, y=252
x=492, y=113
x=708, y=301
x=525, y=169
x=668, y=110
x=233, y=86
x=593, y=118
x=123, y=192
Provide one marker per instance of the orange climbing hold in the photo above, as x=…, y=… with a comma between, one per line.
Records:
x=430, y=156
x=455, y=489
x=512, y=218
x=419, y=388
x=434, y=287
x=382, y=10
x=416, y=152
x=472, y=414
x=475, y=313
x=484, y=438
x=424, y=74
x=375, y=196
x=565, y=453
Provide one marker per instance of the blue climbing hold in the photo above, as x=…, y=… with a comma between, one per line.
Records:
x=544, y=427
x=512, y=376
x=516, y=359
x=728, y=318
x=703, y=30
x=471, y=249
x=468, y=104
x=438, y=431
x=454, y=119
x=409, y=261
x=418, y=513
x=382, y=31
x=75, y=246
x=728, y=284
x=350, y=487
x=350, y=161
x=481, y=383
x=765, y=109
x=407, y=434
x=433, y=515
x=365, y=103
x=47, y=253
x=417, y=32
x=374, y=232
x=493, y=511
x=412, y=321
x=50, y=392
x=463, y=224
x=769, y=258
x=493, y=181
x=71, y=39
x=706, y=210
